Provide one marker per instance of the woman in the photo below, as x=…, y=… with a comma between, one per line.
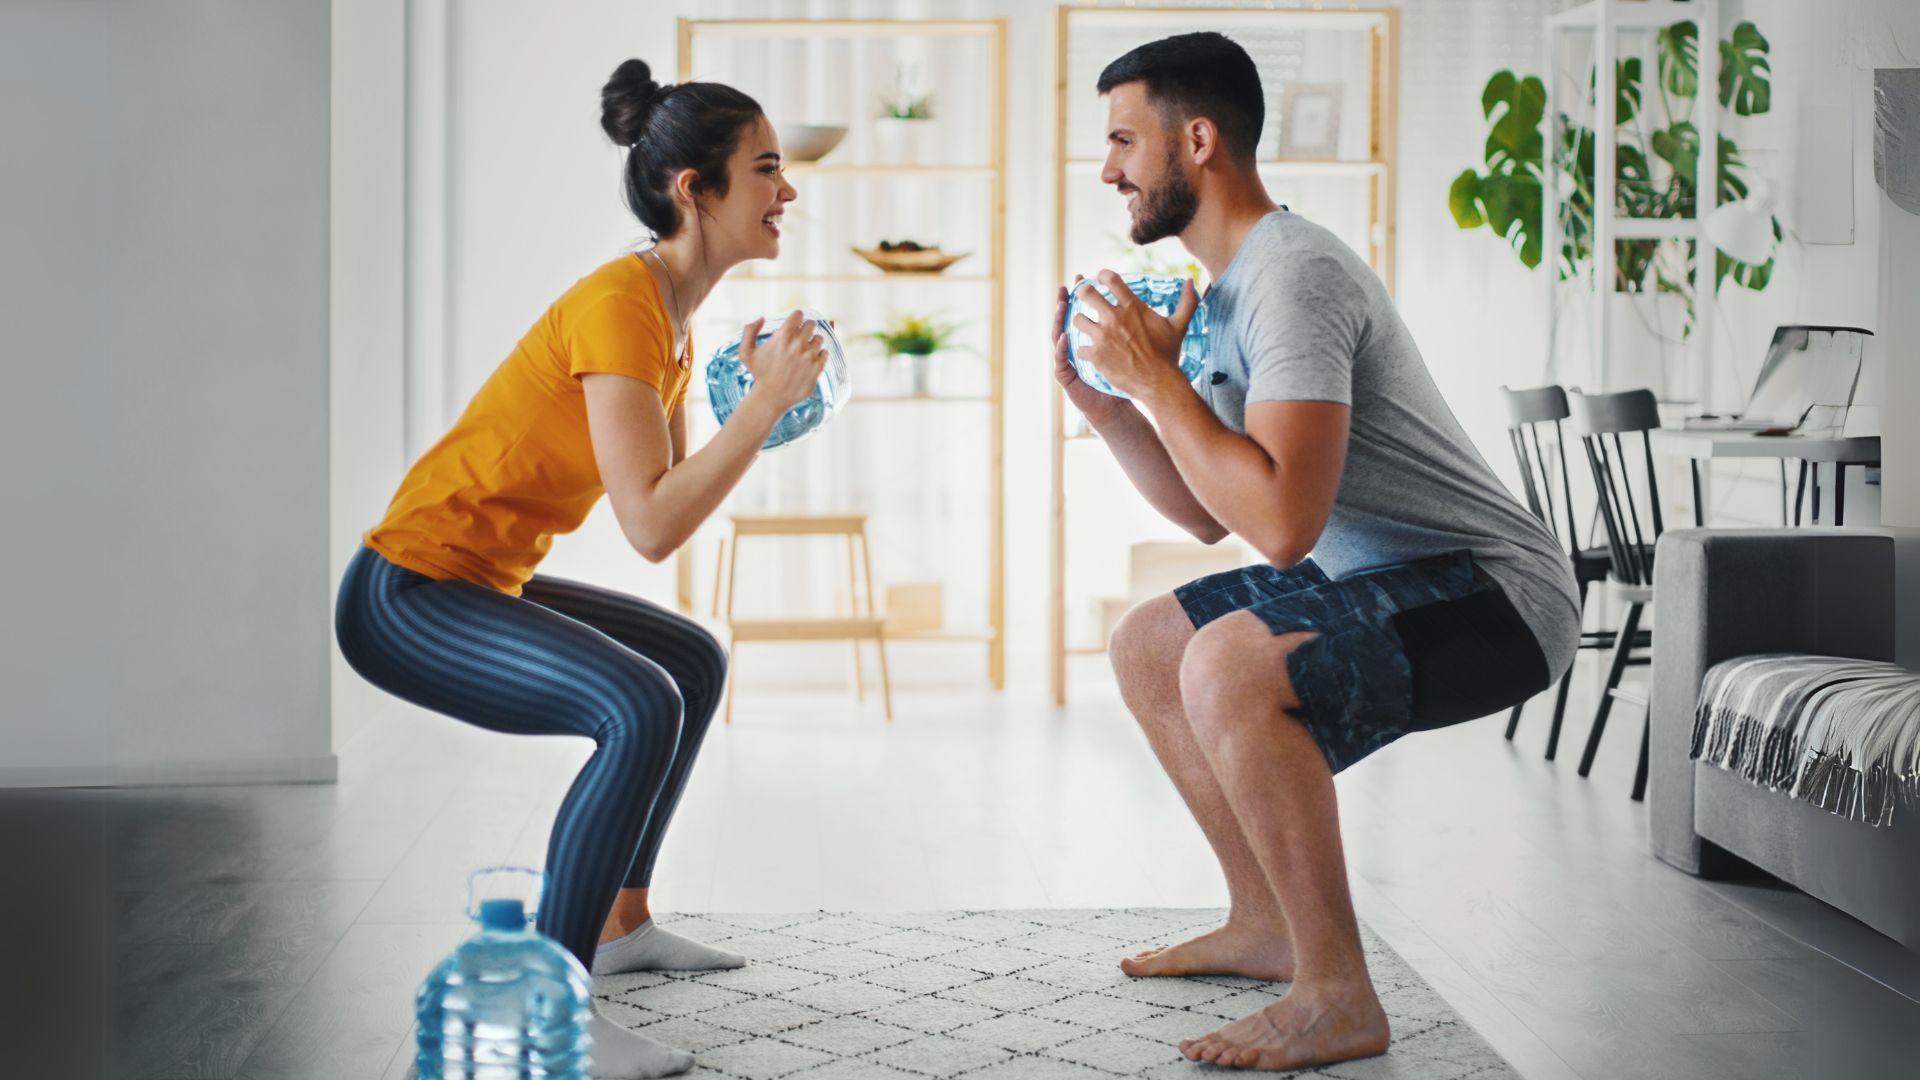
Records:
x=442, y=606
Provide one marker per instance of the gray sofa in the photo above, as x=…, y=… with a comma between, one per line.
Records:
x=1722, y=593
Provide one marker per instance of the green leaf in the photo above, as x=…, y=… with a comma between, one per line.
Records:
x=1515, y=106
x=1626, y=90
x=1680, y=58
x=1745, y=72
x=1499, y=89
x=1463, y=199
x=1679, y=146
x=1731, y=185
x=1630, y=169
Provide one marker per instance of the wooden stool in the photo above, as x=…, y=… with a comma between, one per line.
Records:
x=861, y=625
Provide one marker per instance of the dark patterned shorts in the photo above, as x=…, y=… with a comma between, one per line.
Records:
x=1398, y=649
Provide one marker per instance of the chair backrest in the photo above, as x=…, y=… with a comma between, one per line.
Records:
x=1529, y=414
x=1600, y=420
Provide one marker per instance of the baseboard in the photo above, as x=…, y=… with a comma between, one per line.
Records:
x=322, y=769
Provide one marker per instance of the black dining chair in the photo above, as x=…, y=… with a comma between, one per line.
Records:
x=1633, y=525
x=1539, y=447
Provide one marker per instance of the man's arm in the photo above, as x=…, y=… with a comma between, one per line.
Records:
x=1133, y=442
x=1273, y=487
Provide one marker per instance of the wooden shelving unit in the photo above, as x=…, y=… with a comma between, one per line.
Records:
x=1136, y=24
x=980, y=186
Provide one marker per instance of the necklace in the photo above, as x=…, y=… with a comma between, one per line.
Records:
x=673, y=288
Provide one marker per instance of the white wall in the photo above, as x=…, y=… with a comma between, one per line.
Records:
x=163, y=433
x=367, y=305
x=518, y=196
x=517, y=193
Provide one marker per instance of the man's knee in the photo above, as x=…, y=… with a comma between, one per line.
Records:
x=1147, y=643
x=1234, y=672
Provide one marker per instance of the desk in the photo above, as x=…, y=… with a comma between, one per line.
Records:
x=1707, y=445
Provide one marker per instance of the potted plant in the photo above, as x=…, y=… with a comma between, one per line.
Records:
x=903, y=128
x=918, y=338
x=1658, y=151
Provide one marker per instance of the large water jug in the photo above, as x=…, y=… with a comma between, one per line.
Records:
x=508, y=1004
x=1162, y=294
x=728, y=381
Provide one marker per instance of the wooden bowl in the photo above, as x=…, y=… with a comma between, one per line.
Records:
x=924, y=261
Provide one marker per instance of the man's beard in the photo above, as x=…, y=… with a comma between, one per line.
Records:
x=1167, y=209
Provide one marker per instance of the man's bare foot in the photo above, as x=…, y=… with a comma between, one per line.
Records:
x=1310, y=1026
x=1238, y=948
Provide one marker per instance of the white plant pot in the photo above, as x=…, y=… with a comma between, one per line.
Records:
x=899, y=141
x=920, y=374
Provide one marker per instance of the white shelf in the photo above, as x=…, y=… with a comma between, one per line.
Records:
x=1625, y=14
x=814, y=168
x=845, y=279
x=1629, y=228
x=843, y=28
x=1294, y=168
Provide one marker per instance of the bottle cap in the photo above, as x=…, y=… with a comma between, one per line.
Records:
x=503, y=915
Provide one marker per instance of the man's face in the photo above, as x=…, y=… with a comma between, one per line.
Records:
x=1145, y=163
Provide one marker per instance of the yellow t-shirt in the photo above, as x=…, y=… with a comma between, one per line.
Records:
x=484, y=504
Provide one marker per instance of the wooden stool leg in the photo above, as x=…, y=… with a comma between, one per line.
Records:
x=886, y=685
x=719, y=574
x=853, y=608
x=732, y=647
x=880, y=643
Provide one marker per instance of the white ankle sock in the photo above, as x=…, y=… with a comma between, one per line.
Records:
x=652, y=948
x=620, y=1054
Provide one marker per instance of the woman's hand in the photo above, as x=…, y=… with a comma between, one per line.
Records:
x=785, y=368
x=1094, y=405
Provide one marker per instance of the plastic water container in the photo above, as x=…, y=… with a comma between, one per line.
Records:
x=1162, y=294
x=508, y=1004
x=728, y=381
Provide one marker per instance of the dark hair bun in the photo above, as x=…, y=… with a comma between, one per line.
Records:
x=626, y=100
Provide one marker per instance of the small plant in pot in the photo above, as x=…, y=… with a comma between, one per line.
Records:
x=906, y=116
x=918, y=338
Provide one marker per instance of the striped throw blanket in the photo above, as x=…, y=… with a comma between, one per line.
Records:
x=1841, y=734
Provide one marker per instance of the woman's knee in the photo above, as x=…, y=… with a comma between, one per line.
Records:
x=644, y=714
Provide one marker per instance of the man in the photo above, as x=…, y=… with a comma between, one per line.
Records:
x=1431, y=598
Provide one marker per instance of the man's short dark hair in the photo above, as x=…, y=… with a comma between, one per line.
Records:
x=1199, y=74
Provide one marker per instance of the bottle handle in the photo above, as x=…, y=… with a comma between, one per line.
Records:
x=539, y=888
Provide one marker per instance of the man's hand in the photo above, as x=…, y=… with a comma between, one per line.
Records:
x=1097, y=407
x=1134, y=346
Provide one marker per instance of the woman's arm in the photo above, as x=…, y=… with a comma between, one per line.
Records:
x=657, y=502
x=660, y=493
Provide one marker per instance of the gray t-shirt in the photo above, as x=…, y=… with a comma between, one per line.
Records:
x=1297, y=316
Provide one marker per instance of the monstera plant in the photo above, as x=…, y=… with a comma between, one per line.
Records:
x=1656, y=157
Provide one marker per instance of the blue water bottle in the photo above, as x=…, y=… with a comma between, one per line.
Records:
x=728, y=381
x=1159, y=292
x=508, y=1004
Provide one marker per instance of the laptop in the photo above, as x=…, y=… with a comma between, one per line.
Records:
x=1808, y=378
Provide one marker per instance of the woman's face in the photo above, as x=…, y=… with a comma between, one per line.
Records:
x=745, y=223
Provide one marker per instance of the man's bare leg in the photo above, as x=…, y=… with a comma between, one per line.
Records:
x=1146, y=652
x=1234, y=683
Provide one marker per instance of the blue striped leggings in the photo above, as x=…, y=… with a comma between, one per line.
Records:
x=562, y=659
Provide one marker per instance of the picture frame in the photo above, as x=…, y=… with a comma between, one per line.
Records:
x=1309, y=120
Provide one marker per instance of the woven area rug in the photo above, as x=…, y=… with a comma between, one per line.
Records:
x=988, y=995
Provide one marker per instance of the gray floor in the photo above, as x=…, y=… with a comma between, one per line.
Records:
x=279, y=931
